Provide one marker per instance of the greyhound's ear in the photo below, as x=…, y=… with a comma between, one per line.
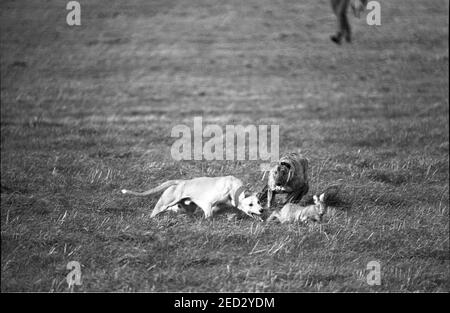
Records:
x=247, y=193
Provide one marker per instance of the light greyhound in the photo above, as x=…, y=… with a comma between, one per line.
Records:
x=206, y=192
x=292, y=212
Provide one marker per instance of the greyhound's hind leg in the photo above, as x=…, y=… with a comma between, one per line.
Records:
x=273, y=216
x=166, y=201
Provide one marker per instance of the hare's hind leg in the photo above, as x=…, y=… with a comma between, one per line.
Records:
x=273, y=216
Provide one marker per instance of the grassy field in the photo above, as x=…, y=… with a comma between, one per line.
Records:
x=88, y=110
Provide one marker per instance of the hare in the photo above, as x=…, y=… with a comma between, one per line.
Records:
x=292, y=212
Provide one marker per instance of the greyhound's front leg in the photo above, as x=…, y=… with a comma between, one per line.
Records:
x=269, y=198
x=208, y=214
x=262, y=195
x=207, y=209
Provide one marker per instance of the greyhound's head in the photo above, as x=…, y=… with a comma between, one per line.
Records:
x=320, y=202
x=249, y=204
x=279, y=175
x=358, y=6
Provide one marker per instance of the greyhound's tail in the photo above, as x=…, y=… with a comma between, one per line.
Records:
x=162, y=187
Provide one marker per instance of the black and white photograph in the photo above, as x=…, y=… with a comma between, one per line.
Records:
x=209, y=148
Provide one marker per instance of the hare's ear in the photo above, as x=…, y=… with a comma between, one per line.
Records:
x=322, y=197
x=316, y=199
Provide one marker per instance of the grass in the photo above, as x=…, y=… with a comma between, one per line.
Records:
x=87, y=111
